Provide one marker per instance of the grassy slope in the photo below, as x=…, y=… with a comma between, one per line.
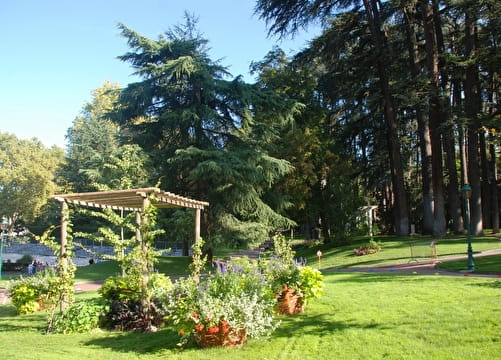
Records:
x=395, y=250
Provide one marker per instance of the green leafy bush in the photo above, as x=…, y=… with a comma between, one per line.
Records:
x=24, y=297
x=33, y=293
x=311, y=283
x=81, y=317
x=131, y=315
x=120, y=288
x=125, y=309
x=25, y=259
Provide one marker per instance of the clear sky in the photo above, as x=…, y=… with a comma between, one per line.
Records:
x=54, y=52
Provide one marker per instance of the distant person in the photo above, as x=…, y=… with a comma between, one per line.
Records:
x=31, y=268
x=91, y=261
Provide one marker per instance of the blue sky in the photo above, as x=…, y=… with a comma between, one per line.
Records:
x=54, y=52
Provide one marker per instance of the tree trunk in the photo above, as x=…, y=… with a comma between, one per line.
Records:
x=423, y=130
x=493, y=185
x=457, y=225
x=454, y=201
x=439, y=223
x=472, y=108
x=484, y=186
x=400, y=208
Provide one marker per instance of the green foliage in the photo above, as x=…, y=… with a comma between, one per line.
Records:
x=198, y=261
x=283, y=248
x=33, y=293
x=92, y=138
x=120, y=233
x=81, y=317
x=311, y=283
x=27, y=173
x=25, y=259
x=24, y=297
x=120, y=288
x=129, y=287
x=64, y=290
x=211, y=133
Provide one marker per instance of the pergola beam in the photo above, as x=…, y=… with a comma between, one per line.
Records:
x=129, y=200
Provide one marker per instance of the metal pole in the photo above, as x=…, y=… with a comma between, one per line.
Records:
x=471, y=264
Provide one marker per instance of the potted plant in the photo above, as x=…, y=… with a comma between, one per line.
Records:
x=224, y=308
x=292, y=282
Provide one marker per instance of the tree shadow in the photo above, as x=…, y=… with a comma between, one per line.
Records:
x=138, y=342
x=320, y=325
x=491, y=284
x=10, y=320
x=367, y=277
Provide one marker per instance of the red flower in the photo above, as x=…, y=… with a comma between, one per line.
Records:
x=199, y=327
x=181, y=332
x=213, y=329
x=194, y=315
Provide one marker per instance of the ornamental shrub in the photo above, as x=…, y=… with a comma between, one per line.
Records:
x=32, y=293
x=81, y=317
x=125, y=309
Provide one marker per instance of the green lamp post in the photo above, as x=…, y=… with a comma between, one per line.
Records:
x=467, y=195
x=3, y=226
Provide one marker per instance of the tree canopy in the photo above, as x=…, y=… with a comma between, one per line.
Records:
x=27, y=176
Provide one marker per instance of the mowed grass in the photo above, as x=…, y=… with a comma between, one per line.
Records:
x=168, y=265
x=360, y=316
x=483, y=265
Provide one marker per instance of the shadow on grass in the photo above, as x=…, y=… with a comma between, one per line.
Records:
x=492, y=284
x=366, y=277
x=10, y=320
x=375, y=262
x=320, y=324
x=136, y=342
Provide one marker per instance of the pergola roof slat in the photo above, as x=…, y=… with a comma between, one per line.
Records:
x=130, y=200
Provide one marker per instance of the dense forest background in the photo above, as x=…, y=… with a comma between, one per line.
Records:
x=395, y=105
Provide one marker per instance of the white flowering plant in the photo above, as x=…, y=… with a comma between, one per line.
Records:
x=235, y=297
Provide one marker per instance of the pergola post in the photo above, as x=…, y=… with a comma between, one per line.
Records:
x=197, y=224
x=141, y=221
x=64, y=242
x=64, y=226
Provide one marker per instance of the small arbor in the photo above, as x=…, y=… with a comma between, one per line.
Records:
x=133, y=200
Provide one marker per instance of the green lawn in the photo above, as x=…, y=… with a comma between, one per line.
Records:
x=168, y=265
x=483, y=265
x=361, y=316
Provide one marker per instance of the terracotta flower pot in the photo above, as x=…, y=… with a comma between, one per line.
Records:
x=289, y=302
x=220, y=335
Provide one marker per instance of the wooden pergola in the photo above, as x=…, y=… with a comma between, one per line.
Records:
x=133, y=200
x=128, y=200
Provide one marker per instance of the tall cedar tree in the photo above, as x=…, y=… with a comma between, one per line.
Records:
x=207, y=136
